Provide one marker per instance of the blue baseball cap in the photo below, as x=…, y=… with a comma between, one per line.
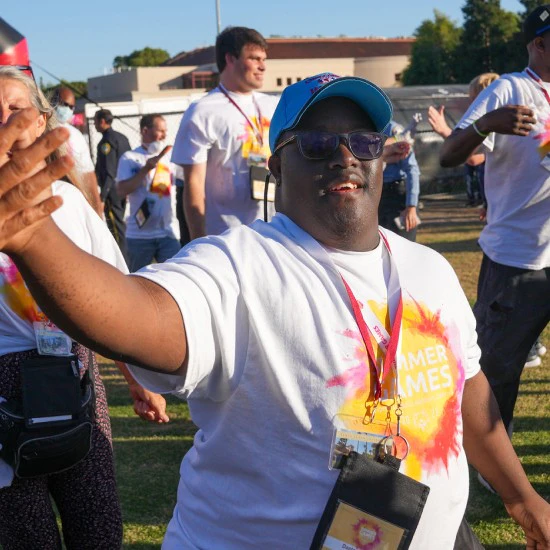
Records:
x=298, y=98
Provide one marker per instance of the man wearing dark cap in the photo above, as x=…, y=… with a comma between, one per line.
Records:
x=511, y=119
x=111, y=147
x=298, y=342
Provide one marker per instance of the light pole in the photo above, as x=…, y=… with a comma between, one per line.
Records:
x=218, y=18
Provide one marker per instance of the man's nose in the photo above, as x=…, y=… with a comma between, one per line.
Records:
x=342, y=157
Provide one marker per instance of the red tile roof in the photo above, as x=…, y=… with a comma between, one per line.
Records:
x=309, y=48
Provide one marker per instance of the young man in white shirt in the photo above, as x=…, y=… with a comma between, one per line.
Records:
x=510, y=119
x=223, y=138
x=148, y=178
x=256, y=329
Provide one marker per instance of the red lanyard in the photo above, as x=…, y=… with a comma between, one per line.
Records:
x=259, y=132
x=538, y=80
x=391, y=350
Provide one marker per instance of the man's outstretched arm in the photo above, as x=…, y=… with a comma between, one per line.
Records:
x=515, y=120
x=123, y=317
x=490, y=452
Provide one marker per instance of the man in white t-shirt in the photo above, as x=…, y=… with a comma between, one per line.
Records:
x=222, y=141
x=65, y=101
x=148, y=178
x=258, y=329
x=510, y=119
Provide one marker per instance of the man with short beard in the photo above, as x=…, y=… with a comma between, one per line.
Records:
x=282, y=334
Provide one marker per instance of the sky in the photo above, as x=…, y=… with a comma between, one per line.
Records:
x=77, y=40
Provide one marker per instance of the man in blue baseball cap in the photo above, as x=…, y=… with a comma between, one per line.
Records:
x=311, y=343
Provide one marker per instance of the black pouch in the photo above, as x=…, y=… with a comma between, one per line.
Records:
x=50, y=429
x=370, y=502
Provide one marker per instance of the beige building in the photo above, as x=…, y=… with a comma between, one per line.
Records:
x=381, y=60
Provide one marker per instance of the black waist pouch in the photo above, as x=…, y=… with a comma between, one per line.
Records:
x=371, y=503
x=50, y=429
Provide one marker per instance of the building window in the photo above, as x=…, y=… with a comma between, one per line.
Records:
x=298, y=78
x=199, y=79
x=398, y=77
x=279, y=82
x=288, y=81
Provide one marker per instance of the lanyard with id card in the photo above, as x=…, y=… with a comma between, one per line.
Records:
x=256, y=159
x=372, y=505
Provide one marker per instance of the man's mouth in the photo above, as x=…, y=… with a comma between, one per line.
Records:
x=340, y=188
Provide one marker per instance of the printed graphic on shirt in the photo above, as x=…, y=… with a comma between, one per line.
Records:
x=105, y=148
x=17, y=295
x=430, y=379
x=544, y=138
x=162, y=181
x=249, y=137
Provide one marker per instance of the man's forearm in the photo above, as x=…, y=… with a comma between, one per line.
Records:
x=459, y=146
x=115, y=314
x=487, y=445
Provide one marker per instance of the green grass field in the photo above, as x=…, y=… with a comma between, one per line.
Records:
x=148, y=456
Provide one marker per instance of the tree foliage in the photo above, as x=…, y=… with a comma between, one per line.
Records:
x=484, y=46
x=490, y=39
x=431, y=58
x=147, y=57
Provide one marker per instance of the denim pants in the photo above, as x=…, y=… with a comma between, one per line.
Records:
x=142, y=252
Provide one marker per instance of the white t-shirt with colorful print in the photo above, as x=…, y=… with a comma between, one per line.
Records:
x=275, y=355
x=216, y=132
x=517, y=175
x=85, y=228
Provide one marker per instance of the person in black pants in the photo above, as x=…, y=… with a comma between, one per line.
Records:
x=109, y=150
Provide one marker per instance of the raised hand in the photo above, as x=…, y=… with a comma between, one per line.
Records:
x=436, y=118
x=515, y=120
x=24, y=176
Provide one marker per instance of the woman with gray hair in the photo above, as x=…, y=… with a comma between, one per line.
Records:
x=85, y=494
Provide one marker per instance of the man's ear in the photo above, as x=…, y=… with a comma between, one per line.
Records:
x=274, y=165
x=229, y=59
x=539, y=44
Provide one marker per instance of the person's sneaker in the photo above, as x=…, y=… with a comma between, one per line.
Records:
x=533, y=359
x=540, y=348
x=485, y=484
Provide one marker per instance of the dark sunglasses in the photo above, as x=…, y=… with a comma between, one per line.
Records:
x=316, y=145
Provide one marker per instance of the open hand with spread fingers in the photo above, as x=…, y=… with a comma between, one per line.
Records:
x=25, y=177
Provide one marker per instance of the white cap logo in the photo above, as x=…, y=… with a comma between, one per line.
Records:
x=544, y=15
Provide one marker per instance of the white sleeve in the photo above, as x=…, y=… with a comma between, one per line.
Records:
x=80, y=152
x=192, y=141
x=203, y=282
x=498, y=94
x=127, y=167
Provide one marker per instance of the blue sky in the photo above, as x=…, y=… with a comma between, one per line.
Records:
x=76, y=40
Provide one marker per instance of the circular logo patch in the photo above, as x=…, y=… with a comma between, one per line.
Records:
x=106, y=148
